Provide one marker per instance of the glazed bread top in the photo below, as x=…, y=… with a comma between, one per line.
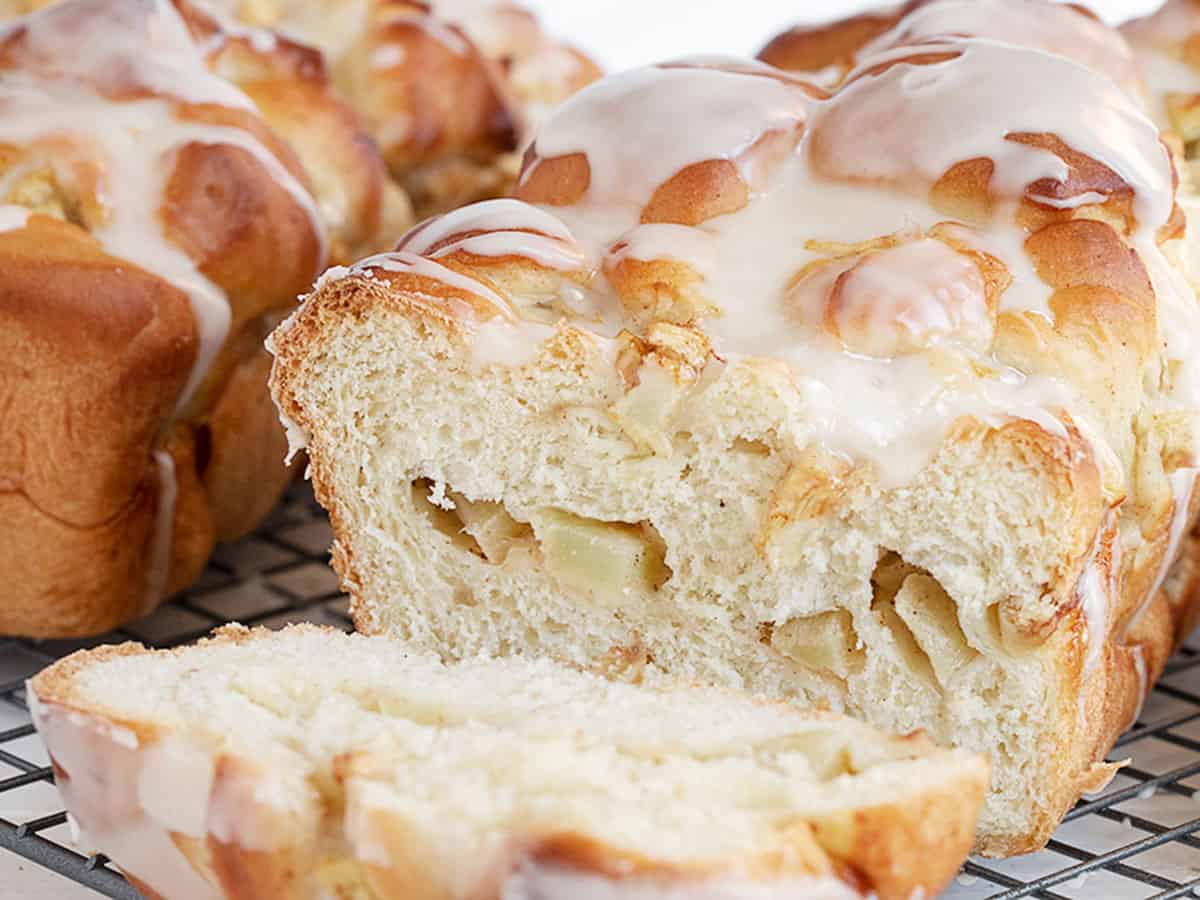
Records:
x=963, y=232
x=976, y=250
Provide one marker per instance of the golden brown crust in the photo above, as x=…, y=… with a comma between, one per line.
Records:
x=95, y=352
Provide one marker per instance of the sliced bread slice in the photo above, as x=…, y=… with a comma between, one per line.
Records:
x=308, y=763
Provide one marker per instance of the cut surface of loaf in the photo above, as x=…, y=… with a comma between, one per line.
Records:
x=160, y=209
x=882, y=396
x=302, y=763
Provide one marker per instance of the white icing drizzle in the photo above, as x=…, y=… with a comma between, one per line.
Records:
x=1036, y=24
x=1085, y=199
x=387, y=56
x=59, y=93
x=500, y=339
x=1183, y=482
x=158, y=567
x=406, y=261
x=1099, y=588
x=905, y=299
x=107, y=781
x=675, y=242
x=13, y=218
x=297, y=437
x=508, y=344
x=260, y=39
x=483, y=229
x=893, y=411
x=1143, y=677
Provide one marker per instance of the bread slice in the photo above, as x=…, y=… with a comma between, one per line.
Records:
x=818, y=412
x=310, y=763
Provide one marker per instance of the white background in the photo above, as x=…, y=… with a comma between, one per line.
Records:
x=624, y=33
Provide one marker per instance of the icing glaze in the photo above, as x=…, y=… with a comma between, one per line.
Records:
x=831, y=206
x=904, y=299
x=1058, y=29
x=158, y=569
x=1098, y=589
x=411, y=263
x=740, y=107
x=13, y=218
x=1183, y=482
x=664, y=241
x=958, y=110
x=106, y=776
x=497, y=339
x=483, y=229
x=1143, y=677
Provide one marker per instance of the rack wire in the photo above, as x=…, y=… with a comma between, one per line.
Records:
x=1139, y=839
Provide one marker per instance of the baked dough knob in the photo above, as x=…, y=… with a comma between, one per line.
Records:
x=652, y=284
x=699, y=191
x=360, y=207
x=512, y=247
x=653, y=279
x=1102, y=325
x=899, y=298
x=428, y=93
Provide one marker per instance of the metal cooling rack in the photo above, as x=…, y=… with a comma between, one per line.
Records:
x=1139, y=839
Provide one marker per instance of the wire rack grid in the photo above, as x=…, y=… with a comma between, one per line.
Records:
x=1139, y=839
